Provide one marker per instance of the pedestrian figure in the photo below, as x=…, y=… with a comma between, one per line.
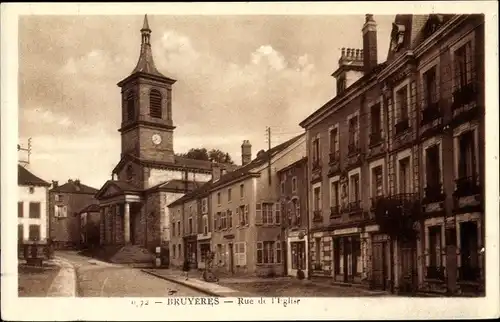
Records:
x=185, y=267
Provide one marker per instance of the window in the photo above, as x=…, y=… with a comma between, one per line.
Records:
x=179, y=229
x=179, y=250
x=20, y=232
x=317, y=252
x=376, y=124
x=316, y=151
x=155, y=104
x=353, y=132
x=20, y=209
x=354, y=184
x=242, y=191
x=296, y=204
x=404, y=175
x=298, y=255
x=402, y=103
x=334, y=140
x=435, y=246
x=463, y=65
x=205, y=224
x=34, y=232
x=229, y=195
x=204, y=206
x=341, y=85
x=229, y=219
x=430, y=86
x=294, y=184
x=34, y=210
x=469, y=252
x=131, y=106
x=243, y=215
x=277, y=213
x=173, y=229
x=32, y=190
x=467, y=157
x=432, y=164
x=218, y=198
x=377, y=182
x=223, y=220
x=317, y=199
x=240, y=256
x=267, y=213
x=265, y=252
x=334, y=194
x=173, y=251
x=282, y=187
x=60, y=211
x=277, y=247
x=190, y=225
x=216, y=221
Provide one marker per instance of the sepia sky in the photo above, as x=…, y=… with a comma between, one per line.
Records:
x=235, y=76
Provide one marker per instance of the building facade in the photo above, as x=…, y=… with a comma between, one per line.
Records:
x=385, y=212
x=149, y=175
x=32, y=210
x=65, y=203
x=241, y=212
x=294, y=202
x=90, y=220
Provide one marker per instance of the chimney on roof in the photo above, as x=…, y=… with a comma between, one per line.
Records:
x=216, y=170
x=55, y=184
x=369, y=43
x=246, y=152
x=77, y=182
x=70, y=180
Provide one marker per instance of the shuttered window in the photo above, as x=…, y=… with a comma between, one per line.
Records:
x=155, y=103
x=131, y=106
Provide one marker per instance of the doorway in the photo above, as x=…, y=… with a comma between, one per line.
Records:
x=379, y=266
x=231, y=258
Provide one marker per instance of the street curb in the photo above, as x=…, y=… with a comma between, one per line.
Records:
x=199, y=289
x=64, y=284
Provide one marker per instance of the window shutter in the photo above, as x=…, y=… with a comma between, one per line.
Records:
x=277, y=213
x=238, y=217
x=259, y=253
x=258, y=213
x=243, y=254
x=65, y=211
x=56, y=213
x=245, y=219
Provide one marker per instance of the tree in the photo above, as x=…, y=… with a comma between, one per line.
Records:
x=203, y=154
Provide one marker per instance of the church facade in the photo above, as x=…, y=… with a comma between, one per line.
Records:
x=149, y=176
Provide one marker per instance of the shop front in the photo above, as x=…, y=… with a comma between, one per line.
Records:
x=190, y=247
x=297, y=258
x=347, y=258
x=204, y=249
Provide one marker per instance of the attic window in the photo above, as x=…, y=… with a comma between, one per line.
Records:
x=397, y=36
x=341, y=85
x=130, y=173
x=32, y=190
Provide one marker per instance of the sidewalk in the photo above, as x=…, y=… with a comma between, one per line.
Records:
x=197, y=283
x=255, y=286
x=64, y=284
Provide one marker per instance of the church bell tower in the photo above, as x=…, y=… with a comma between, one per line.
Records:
x=147, y=128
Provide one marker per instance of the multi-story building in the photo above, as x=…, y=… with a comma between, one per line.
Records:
x=32, y=208
x=244, y=212
x=384, y=210
x=293, y=199
x=65, y=203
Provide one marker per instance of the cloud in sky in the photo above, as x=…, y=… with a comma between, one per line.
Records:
x=236, y=75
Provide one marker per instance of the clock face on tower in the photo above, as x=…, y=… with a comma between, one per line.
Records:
x=156, y=138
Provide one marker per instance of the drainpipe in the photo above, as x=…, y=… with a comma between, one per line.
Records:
x=308, y=234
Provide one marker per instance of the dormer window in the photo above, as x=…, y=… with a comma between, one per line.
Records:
x=397, y=37
x=155, y=104
x=131, y=106
x=341, y=85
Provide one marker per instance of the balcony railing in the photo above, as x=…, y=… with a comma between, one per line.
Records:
x=467, y=186
x=375, y=138
x=316, y=164
x=334, y=157
x=464, y=95
x=402, y=126
x=469, y=274
x=430, y=113
x=317, y=216
x=353, y=148
x=334, y=211
x=433, y=193
x=374, y=201
x=435, y=272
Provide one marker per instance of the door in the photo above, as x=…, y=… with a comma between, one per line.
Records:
x=347, y=256
x=409, y=279
x=379, y=273
x=231, y=258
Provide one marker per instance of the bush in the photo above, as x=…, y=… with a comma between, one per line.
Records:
x=300, y=274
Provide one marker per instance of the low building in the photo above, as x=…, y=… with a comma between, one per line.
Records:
x=90, y=218
x=65, y=203
x=293, y=199
x=32, y=211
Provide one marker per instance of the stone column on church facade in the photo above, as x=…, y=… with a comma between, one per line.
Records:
x=101, y=226
x=126, y=223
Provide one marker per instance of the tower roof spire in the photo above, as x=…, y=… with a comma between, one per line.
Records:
x=146, y=63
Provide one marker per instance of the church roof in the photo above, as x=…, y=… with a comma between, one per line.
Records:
x=90, y=208
x=122, y=187
x=177, y=185
x=26, y=178
x=74, y=186
x=238, y=174
x=179, y=162
x=146, y=62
